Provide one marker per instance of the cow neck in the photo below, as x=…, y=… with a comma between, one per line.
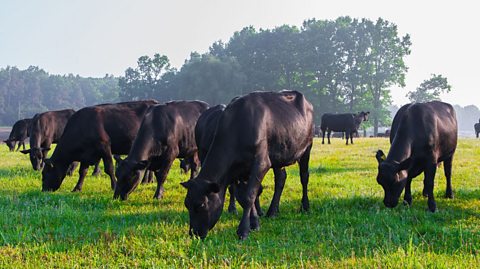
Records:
x=401, y=148
x=216, y=166
x=36, y=139
x=142, y=147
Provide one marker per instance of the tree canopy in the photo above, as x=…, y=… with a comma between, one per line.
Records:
x=430, y=89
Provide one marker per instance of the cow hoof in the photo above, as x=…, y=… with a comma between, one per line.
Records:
x=76, y=189
x=407, y=202
x=449, y=195
x=432, y=207
x=242, y=235
x=272, y=213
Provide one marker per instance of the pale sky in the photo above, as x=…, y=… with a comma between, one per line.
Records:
x=95, y=37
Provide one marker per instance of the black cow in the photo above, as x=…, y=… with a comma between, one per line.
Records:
x=422, y=136
x=256, y=132
x=20, y=132
x=477, y=128
x=347, y=122
x=45, y=129
x=204, y=133
x=94, y=133
x=166, y=133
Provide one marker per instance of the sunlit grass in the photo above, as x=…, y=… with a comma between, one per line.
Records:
x=348, y=226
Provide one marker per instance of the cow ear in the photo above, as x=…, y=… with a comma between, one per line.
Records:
x=48, y=163
x=380, y=156
x=405, y=164
x=27, y=151
x=185, y=184
x=141, y=165
x=213, y=187
x=6, y=141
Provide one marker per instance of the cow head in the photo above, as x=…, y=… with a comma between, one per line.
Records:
x=392, y=177
x=53, y=175
x=363, y=115
x=36, y=157
x=204, y=203
x=10, y=144
x=184, y=166
x=129, y=175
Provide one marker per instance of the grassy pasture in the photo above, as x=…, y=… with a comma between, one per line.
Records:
x=347, y=226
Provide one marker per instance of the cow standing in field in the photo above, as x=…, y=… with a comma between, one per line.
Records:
x=422, y=136
x=204, y=134
x=348, y=123
x=476, y=126
x=94, y=133
x=46, y=128
x=20, y=131
x=256, y=132
x=166, y=133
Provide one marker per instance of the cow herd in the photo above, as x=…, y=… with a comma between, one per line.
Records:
x=235, y=146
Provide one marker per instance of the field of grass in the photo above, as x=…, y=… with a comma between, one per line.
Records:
x=347, y=226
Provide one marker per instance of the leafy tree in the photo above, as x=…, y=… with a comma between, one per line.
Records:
x=143, y=81
x=430, y=89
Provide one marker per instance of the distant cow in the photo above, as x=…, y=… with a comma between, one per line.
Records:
x=20, y=132
x=46, y=128
x=477, y=128
x=94, y=133
x=256, y=132
x=422, y=136
x=166, y=133
x=348, y=123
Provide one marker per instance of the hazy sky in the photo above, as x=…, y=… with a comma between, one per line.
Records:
x=95, y=37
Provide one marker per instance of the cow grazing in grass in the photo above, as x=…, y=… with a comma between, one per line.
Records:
x=256, y=132
x=20, y=131
x=45, y=129
x=347, y=122
x=166, y=133
x=476, y=126
x=92, y=134
x=422, y=136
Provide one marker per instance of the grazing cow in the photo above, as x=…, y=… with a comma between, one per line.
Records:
x=477, y=128
x=94, y=133
x=348, y=123
x=422, y=136
x=256, y=132
x=166, y=133
x=46, y=128
x=204, y=133
x=20, y=132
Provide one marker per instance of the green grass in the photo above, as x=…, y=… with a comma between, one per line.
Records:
x=347, y=226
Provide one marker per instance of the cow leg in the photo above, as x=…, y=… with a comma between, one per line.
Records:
x=232, y=208
x=280, y=178
x=96, y=170
x=351, y=137
x=147, y=177
x=407, y=198
x=430, y=171
x=162, y=172
x=347, y=133
x=257, y=202
x=304, y=174
x=447, y=168
x=328, y=135
x=194, y=165
x=82, y=172
x=323, y=136
x=109, y=168
x=247, y=198
x=19, y=144
x=71, y=168
x=23, y=145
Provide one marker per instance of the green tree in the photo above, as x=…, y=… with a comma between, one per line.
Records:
x=430, y=89
x=143, y=81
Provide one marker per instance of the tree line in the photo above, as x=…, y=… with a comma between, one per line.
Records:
x=23, y=93
x=341, y=65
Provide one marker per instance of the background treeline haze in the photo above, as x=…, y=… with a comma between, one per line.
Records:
x=342, y=65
